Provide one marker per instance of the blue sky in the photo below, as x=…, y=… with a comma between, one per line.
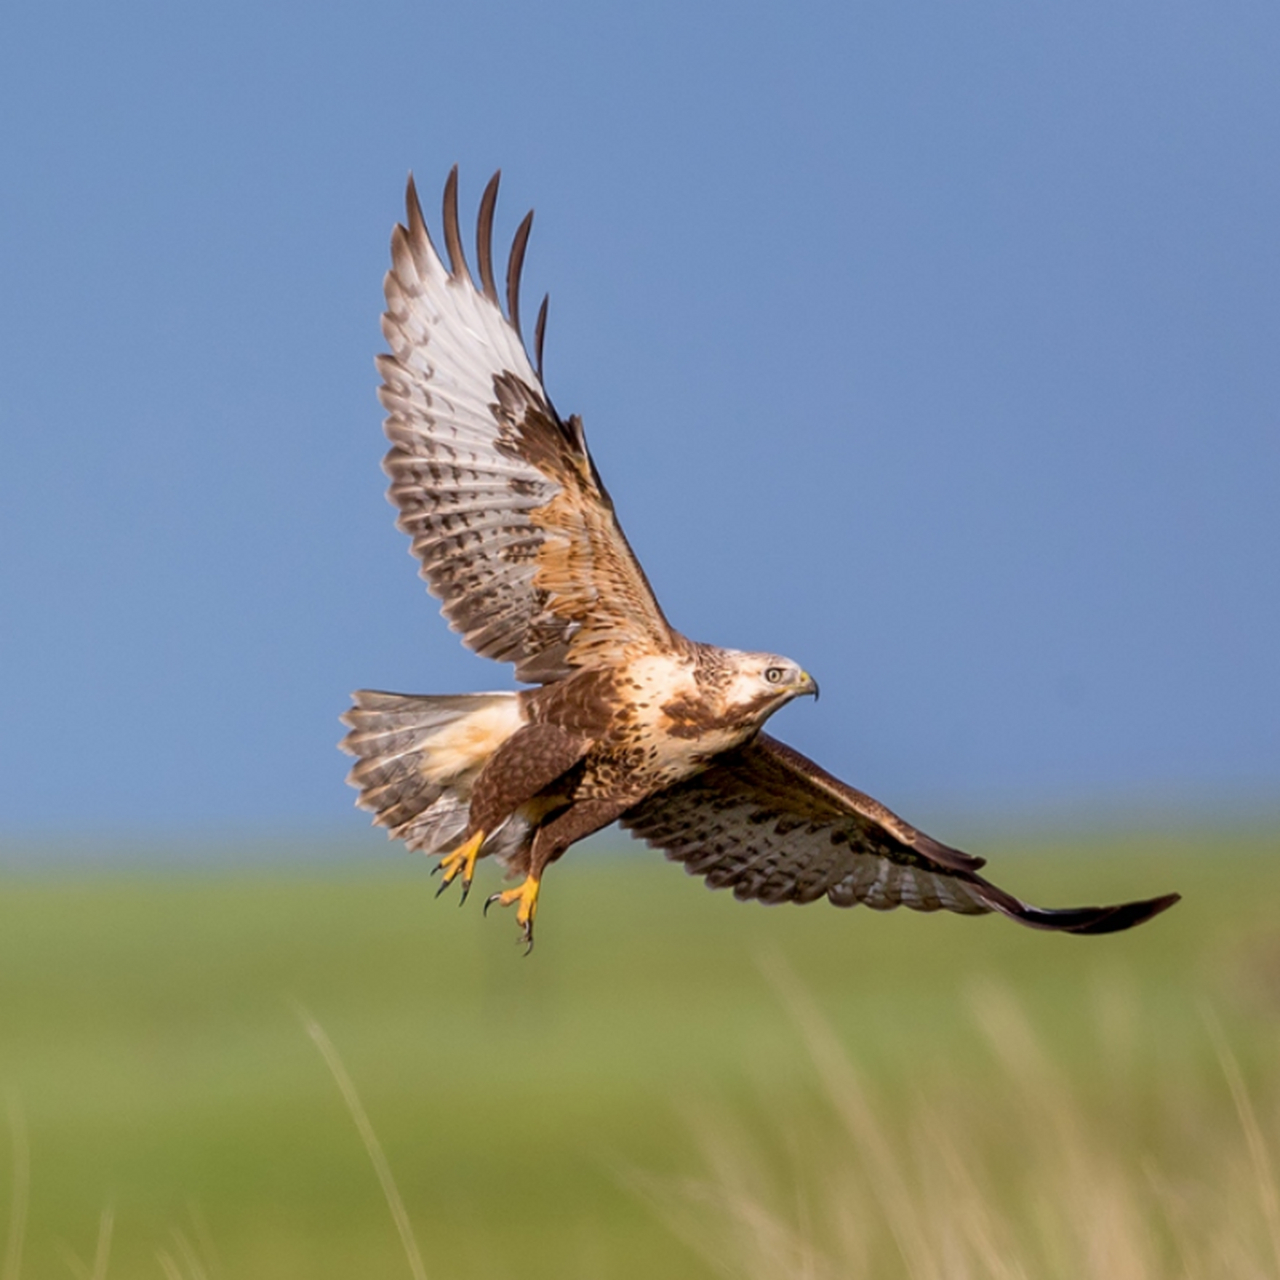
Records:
x=936, y=346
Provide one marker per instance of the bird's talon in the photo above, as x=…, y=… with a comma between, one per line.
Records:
x=460, y=862
x=525, y=899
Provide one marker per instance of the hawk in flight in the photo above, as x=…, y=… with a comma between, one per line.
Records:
x=626, y=719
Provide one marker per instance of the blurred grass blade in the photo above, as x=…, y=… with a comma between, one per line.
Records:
x=1257, y=1145
x=196, y=1269
x=377, y=1156
x=20, y=1194
x=103, y=1251
x=848, y=1098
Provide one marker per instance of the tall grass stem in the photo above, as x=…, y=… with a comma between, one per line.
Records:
x=1258, y=1154
x=346, y=1086
x=21, y=1193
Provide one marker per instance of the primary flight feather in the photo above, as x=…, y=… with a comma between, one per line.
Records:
x=628, y=720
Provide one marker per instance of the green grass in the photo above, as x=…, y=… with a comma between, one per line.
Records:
x=639, y=1098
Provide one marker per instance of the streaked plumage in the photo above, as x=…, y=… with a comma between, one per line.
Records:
x=627, y=718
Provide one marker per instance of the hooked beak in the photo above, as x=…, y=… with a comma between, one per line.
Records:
x=808, y=685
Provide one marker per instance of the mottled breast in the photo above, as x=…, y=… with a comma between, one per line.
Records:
x=673, y=717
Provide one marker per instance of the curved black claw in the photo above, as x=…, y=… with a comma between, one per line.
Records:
x=445, y=884
x=525, y=900
x=460, y=864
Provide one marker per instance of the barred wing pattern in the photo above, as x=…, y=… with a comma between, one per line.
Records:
x=770, y=824
x=513, y=527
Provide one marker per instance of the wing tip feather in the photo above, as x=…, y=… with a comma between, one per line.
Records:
x=515, y=266
x=1084, y=921
x=415, y=223
x=484, y=237
x=458, y=269
x=540, y=333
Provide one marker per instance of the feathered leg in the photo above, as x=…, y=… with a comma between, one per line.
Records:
x=522, y=767
x=550, y=841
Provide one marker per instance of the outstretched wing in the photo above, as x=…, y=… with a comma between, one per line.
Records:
x=770, y=824
x=514, y=529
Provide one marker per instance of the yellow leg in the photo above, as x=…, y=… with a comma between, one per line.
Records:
x=461, y=862
x=525, y=896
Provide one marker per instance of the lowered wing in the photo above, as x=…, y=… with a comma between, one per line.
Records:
x=768, y=823
x=509, y=518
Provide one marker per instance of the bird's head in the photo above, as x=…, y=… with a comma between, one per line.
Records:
x=758, y=684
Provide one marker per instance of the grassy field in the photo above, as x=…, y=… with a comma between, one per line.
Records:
x=672, y=1085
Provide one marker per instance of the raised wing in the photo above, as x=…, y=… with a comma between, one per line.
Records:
x=515, y=531
x=768, y=823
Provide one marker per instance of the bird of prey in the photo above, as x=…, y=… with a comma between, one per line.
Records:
x=626, y=719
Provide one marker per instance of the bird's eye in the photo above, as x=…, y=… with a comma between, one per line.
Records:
x=774, y=675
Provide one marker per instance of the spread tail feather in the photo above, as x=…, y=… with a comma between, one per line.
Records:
x=418, y=758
